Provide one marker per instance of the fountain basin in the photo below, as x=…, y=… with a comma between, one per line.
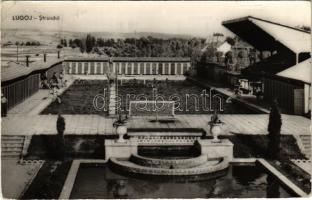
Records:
x=210, y=166
x=167, y=163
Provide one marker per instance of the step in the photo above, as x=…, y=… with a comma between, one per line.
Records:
x=12, y=145
x=306, y=136
x=12, y=150
x=10, y=154
x=13, y=138
x=17, y=154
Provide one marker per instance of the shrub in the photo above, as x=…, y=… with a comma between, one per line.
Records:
x=274, y=129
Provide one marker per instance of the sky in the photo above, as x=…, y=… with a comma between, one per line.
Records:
x=197, y=18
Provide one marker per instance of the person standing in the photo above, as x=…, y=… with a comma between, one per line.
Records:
x=55, y=81
x=4, y=106
x=61, y=77
x=60, y=143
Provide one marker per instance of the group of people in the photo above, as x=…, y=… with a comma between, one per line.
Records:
x=54, y=84
x=56, y=81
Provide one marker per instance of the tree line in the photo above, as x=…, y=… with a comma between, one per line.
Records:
x=138, y=47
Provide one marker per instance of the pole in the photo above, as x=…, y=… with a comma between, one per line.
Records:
x=16, y=52
x=116, y=71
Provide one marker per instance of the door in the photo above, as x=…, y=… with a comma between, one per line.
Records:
x=298, y=101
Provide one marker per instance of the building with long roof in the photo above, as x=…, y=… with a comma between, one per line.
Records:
x=288, y=47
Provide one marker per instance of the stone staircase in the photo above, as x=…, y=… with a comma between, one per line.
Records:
x=306, y=145
x=12, y=146
x=112, y=99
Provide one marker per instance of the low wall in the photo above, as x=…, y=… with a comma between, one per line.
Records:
x=114, y=149
x=224, y=148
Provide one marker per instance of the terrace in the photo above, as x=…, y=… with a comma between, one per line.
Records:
x=87, y=129
x=90, y=123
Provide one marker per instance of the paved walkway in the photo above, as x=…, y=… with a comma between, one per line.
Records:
x=37, y=102
x=26, y=107
x=230, y=93
x=241, y=99
x=96, y=124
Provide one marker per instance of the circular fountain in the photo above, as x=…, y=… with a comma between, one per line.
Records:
x=169, y=167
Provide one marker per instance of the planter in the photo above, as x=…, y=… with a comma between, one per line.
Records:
x=121, y=130
x=215, y=130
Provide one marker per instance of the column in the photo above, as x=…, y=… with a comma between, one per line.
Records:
x=70, y=70
x=83, y=68
x=95, y=67
x=114, y=66
x=169, y=72
x=182, y=72
x=188, y=66
x=120, y=72
x=144, y=70
x=76, y=68
x=102, y=68
x=157, y=68
x=151, y=68
x=139, y=68
x=132, y=68
x=175, y=68
x=163, y=68
x=126, y=68
x=306, y=98
x=89, y=68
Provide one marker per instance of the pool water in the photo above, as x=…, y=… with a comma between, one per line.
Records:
x=236, y=182
x=78, y=98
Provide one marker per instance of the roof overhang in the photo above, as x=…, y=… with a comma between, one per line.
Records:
x=300, y=72
x=269, y=36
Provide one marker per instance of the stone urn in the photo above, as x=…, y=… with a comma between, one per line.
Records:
x=121, y=128
x=215, y=127
x=215, y=130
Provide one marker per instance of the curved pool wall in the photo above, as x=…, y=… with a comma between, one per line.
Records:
x=204, y=168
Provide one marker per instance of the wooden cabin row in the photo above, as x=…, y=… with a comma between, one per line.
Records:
x=19, y=88
x=127, y=67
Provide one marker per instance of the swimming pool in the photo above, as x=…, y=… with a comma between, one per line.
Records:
x=239, y=181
